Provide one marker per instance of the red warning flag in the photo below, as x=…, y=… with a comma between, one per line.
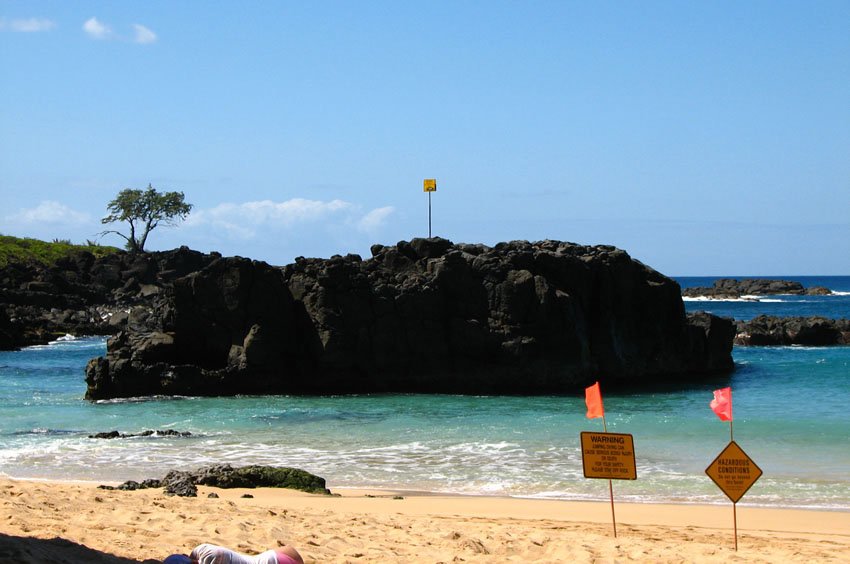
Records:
x=593, y=399
x=722, y=404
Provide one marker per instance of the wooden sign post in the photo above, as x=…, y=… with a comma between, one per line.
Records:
x=734, y=472
x=610, y=456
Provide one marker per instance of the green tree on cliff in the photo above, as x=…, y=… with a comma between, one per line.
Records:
x=144, y=210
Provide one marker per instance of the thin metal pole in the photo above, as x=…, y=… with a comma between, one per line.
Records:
x=429, y=215
x=734, y=522
x=610, y=487
x=731, y=436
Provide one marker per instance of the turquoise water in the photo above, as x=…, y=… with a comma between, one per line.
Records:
x=790, y=405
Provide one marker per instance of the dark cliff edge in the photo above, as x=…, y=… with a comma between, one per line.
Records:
x=425, y=316
x=86, y=295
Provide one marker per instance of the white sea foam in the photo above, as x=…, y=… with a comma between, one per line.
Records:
x=142, y=399
x=746, y=299
x=70, y=342
x=749, y=299
x=66, y=337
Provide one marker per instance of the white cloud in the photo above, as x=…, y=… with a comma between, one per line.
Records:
x=281, y=213
x=96, y=29
x=375, y=219
x=143, y=34
x=28, y=25
x=245, y=220
x=49, y=211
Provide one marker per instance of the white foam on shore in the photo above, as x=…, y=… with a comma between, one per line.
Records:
x=472, y=468
x=142, y=399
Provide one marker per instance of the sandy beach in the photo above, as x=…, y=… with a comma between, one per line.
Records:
x=76, y=522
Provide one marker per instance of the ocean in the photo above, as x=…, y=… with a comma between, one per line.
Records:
x=790, y=408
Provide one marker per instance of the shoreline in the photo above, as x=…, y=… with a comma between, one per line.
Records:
x=372, y=525
x=377, y=491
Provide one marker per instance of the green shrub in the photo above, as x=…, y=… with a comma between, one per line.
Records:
x=17, y=249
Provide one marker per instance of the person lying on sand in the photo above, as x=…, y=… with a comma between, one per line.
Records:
x=213, y=554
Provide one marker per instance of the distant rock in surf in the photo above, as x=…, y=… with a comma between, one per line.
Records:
x=148, y=433
x=421, y=316
x=731, y=288
x=766, y=330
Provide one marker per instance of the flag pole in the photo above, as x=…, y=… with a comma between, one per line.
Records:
x=721, y=405
x=611, y=487
x=734, y=504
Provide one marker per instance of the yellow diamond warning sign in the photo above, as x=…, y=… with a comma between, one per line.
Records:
x=608, y=455
x=430, y=185
x=733, y=471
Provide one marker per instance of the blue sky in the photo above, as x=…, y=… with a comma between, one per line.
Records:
x=701, y=137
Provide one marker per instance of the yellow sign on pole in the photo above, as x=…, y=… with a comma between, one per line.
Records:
x=608, y=455
x=733, y=471
x=430, y=185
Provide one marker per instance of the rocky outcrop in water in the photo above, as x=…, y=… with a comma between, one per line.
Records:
x=766, y=330
x=421, y=316
x=185, y=484
x=148, y=433
x=730, y=288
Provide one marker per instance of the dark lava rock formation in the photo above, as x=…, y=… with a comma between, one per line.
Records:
x=421, y=316
x=810, y=331
x=186, y=484
x=148, y=433
x=84, y=295
x=730, y=288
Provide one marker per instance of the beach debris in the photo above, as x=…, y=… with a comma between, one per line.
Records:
x=474, y=545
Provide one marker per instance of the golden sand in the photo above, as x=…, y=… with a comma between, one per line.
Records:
x=70, y=522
